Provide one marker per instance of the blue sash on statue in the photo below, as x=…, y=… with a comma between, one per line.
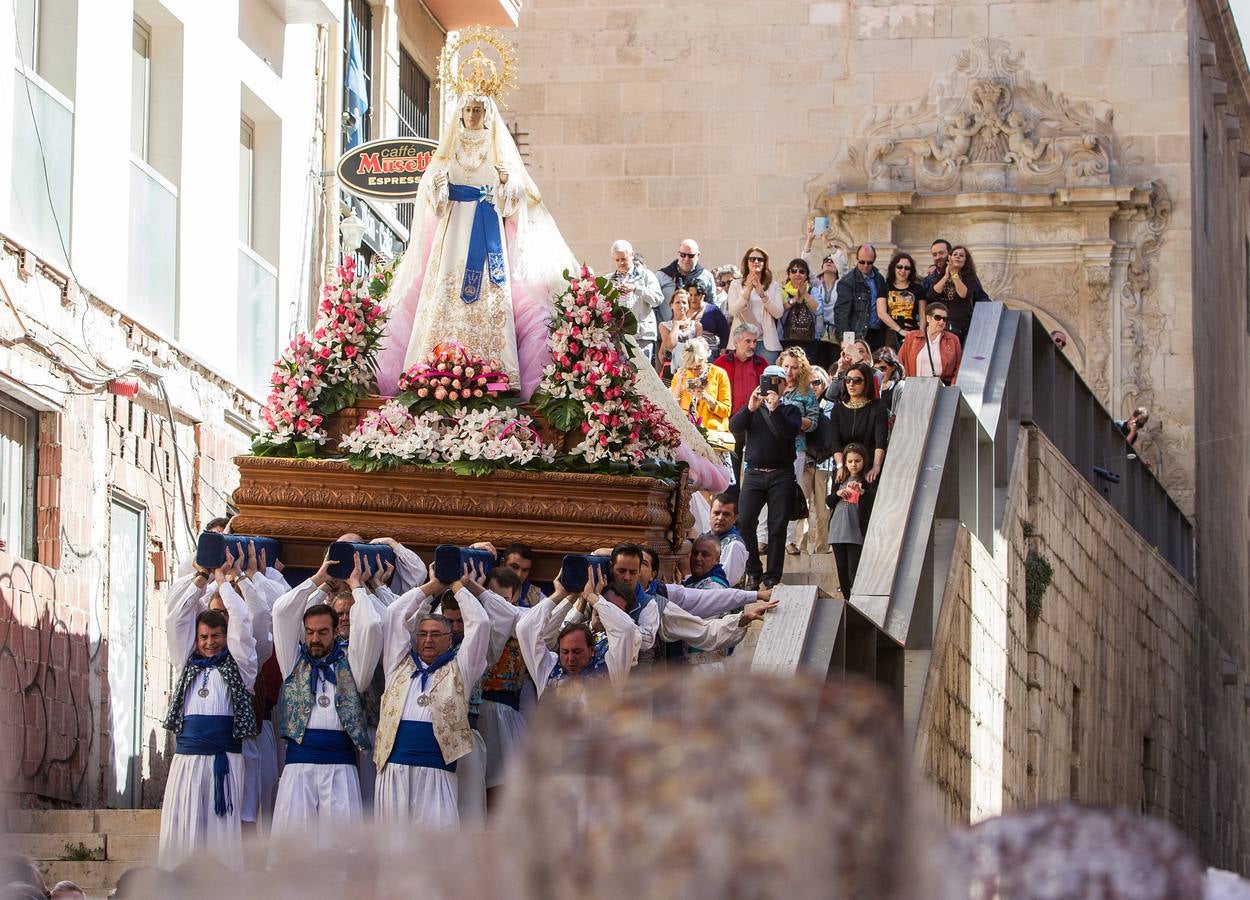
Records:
x=322, y=747
x=415, y=745
x=485, y=242
x=211, y=736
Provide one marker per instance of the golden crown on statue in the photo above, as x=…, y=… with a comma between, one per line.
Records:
x=478, y=75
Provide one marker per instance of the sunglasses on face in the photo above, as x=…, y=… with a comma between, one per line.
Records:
x=938, y=317
x=686, y=255
x=755, y=259
x=863, y=262
x=855, y=379
x=827, y=261
x=795, y=272
x=902, y=268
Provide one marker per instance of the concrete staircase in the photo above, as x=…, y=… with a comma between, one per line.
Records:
x=90, y=847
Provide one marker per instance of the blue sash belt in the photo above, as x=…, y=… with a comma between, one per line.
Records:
x=415, y=746
x=322, y=747
x=485, y=242
x=212, y=736
x=507, y=698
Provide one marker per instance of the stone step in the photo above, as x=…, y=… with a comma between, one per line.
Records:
x=83, y=821
x=128, y=821
x=94, y=877
x=137, y=848
x=54, y=846
x=50, y=821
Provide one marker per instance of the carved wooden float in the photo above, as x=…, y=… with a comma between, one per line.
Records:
x=307, y=503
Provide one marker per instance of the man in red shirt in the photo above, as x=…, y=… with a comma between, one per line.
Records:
x=745, y=367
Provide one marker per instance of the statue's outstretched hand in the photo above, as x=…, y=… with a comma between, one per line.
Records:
x=502, y=170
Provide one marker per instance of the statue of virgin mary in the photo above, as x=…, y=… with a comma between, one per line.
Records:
x=484, y=254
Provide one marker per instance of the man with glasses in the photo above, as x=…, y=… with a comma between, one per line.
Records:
x=933, y=351
x=682, y=272
x=424, y=726
x=855, y=304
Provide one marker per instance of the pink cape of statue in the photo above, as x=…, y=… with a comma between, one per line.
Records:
x=531, y=309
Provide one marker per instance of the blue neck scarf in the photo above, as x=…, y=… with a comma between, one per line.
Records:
x=716, y=573
x=485, y=242
x=732, y=532
x=426, y=671
x=322, y=668
x=207, y=662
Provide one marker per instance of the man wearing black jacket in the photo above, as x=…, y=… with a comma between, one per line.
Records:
x=770, y=427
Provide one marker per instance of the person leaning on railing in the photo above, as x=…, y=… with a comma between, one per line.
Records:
x=935, y=351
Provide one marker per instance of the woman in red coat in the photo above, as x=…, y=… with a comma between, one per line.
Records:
x=932, y=351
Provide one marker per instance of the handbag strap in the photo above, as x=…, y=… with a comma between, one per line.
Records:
x=928, y=346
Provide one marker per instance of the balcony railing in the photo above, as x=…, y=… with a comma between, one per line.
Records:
x=43, y=154
x=152, y=297
x=258, y=321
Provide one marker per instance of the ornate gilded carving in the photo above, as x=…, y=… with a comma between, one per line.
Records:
x=307, y=503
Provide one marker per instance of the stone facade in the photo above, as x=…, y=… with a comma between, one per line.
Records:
x=1054, y=139
x=1092, y=696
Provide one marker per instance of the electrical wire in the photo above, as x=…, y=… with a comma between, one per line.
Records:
x=173, y=433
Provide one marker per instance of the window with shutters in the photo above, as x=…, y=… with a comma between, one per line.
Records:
x=19, y=449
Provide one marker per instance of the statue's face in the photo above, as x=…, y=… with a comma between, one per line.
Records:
x=474, y=114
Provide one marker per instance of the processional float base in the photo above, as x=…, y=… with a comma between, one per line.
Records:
x=307, y=503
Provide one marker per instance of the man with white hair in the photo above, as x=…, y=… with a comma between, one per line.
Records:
x=682, y=272
x=640, y=293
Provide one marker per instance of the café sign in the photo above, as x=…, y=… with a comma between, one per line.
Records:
x=386, y=169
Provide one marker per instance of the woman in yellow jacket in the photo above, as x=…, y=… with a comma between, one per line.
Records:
x=704, y=385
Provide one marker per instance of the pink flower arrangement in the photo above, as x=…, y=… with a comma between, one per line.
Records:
x=453, y=374
x=590, y=385
x=316, y=377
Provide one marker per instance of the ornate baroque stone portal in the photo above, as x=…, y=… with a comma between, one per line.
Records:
x=994, y=159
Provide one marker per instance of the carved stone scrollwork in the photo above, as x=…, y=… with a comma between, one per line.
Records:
x=990, y=126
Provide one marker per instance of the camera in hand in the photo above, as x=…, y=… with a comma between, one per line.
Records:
x=697, y=384
x=577, y=568
x=770, y=383
x=450, y=560
x=210, y=549
x=343, y=553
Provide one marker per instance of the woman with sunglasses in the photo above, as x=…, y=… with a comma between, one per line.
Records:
x=756, y=298
x=801, y=323
x=901, y=309
x=934, y=351
x=859, y=418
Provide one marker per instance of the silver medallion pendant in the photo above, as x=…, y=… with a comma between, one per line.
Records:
x=423, y=700
x=203, y=692
x=323, y=701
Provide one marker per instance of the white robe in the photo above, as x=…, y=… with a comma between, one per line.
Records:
x=624, y=642
x=418, y=794
x=189, y=827
x=316, y=798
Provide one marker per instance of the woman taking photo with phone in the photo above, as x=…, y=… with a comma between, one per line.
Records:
x=702, y=389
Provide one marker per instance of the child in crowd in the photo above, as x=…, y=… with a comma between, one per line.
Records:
x=849, y=520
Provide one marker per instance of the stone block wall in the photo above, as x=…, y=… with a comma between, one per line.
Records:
x=57, y=711
x=1103, y=696
x=725, y=122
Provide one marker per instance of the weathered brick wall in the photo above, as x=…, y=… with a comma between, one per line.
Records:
x=1104, y=696
x=56, y=709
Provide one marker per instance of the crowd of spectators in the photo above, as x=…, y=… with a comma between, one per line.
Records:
x=839, y=335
